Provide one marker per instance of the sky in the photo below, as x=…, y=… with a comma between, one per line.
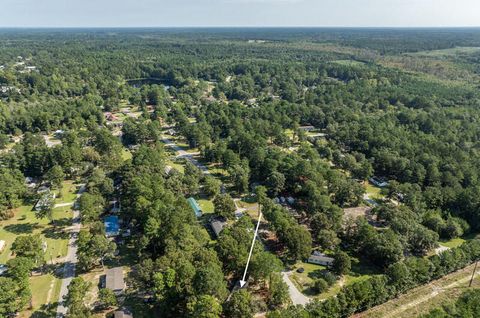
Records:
x=253, y=13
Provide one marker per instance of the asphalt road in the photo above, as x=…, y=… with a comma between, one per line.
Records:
x=70, y=259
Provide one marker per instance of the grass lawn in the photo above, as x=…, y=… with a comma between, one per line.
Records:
x=45, y=291
x=206, y=205
x=68, y=193
x=453, y=242
x=374, y=192
x=304, y=281
x=177, y=166
x=24, y=222
x=126, y=154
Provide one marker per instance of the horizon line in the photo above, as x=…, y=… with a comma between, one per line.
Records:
x=241, y=27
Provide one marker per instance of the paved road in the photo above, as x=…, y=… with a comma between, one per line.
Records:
x=297, y=297
x=70, y=259
x=184, y=154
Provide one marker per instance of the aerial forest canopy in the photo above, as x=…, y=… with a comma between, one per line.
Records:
x=301, y=123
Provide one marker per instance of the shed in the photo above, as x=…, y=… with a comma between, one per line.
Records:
x=217, y=226
x=195, y=207
x=112, y=227
x=2, y=245
x=114, y=280
x=122, y=314
x=320, y=259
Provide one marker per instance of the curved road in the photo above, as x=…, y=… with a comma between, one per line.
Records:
x=297, y=297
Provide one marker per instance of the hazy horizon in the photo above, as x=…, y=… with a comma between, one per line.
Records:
x=239, y=13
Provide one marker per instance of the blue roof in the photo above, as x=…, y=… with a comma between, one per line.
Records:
x=111, y=225
x=196, y=208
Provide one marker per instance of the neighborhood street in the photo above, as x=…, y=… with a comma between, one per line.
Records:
x=184, y=154
x=71, y=259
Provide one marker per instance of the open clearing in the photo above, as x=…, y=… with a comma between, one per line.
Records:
x=422, y=299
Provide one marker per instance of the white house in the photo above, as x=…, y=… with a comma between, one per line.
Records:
x=320, y=259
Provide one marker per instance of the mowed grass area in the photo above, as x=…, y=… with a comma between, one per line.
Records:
x=45, y=288
x=423, y=299
x=205, y=204
x=375, y=193
x=24, y=222
x=45, y=291
x=68, y=192
x=126, y=154
x=305, y=281
x=453, y=242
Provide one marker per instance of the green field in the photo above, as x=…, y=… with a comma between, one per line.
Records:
x=304, y=281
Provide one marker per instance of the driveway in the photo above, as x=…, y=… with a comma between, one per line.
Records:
x=295, y=295
x=70, y=259
x=184, y=154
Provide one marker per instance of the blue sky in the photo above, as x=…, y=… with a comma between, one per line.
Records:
x=163, y=13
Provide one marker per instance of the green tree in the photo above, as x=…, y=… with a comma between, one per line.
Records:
x=278, y=291
x=29, y=246
x=107, y=298
x=204, y=306
x=239, y=305
x=91, y=206
x=211, y=186
x=320, y=285
x=342, y=263
x=224, y=206
x=55, y=176
x=264, y=264
x=75, y=299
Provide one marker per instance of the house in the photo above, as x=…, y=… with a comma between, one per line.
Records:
x=30, y=182
x=43, y=189
x=45, y=202
x=2, y=245
x=320, y=259
x=110, y=117
x=112, y=227
x=168, y=169
x=195, y=207
x=379, y=182
x=3, y=269
x=59, y=133
x=114, y=280
x=217, y=225
x=122, y=314
x=115, y=206
x=307, y=128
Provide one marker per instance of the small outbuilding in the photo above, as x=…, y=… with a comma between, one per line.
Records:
x=195, y=207
x=122, y=314
x=217, y=226
x=114, y=280
x=2, y=245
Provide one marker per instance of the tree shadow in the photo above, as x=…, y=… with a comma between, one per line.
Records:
x=316, y=274
x=46, y=311
x=56, y=233
x=22, y=228
x=63, y=222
